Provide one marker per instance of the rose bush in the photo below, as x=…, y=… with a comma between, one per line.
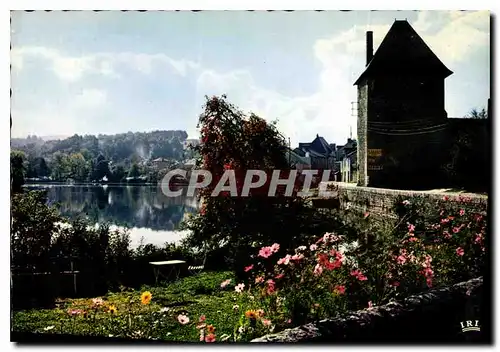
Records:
x=332, y=275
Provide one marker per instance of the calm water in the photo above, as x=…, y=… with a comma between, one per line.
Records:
x=144, y=210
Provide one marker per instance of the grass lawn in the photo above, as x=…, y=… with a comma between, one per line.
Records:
x=192, y=296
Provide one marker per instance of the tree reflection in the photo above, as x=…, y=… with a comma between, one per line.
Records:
x=130, y=206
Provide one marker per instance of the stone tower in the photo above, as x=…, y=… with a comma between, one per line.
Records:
x=401, y=111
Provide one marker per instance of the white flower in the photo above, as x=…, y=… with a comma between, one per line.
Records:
x=164, y=310
x=235, y=307
x=183, y=319
x=225, y=337
x=300, y=248
x=239, y=287
x=49, y=328
x=241, y=329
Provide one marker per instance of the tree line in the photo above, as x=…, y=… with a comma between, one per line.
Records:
x=92, y=158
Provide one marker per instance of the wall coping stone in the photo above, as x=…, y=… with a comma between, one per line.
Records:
x=415, y=318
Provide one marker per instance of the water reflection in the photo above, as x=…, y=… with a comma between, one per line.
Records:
x=145, y=210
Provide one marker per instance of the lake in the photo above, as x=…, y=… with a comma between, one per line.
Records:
x=144, y=210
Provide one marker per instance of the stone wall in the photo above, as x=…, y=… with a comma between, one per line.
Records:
x=432, y=316
x=380, y=201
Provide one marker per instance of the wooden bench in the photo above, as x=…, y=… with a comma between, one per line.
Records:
x=174, y=266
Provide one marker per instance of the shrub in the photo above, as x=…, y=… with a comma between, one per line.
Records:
x=333, y=274
x=233, y=141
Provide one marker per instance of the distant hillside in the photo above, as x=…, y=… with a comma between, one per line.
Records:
x=117, y=147
x=78, y=157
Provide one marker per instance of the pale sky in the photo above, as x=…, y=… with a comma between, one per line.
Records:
x=113, y=72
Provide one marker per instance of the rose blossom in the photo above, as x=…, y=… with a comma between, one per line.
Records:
x=239, y=288
x=265, y=252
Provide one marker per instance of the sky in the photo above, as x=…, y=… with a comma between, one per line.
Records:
x=113, y=72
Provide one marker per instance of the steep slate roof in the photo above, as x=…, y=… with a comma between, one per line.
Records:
x=403, y=51
x=296, y=158
x=320, y=145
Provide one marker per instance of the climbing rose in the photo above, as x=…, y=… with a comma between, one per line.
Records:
x=239, y=287
x=259, y=279
x=248, y=268
x=275, y=247
x=279, y=276
x=225, y=283
x=210, y=338
x=183, y=319
x=340, y=289
x=460, y=251
x=266, y=322
x=270, y=286
x=462, y=212
x=411, y=227
x=313, y=247
x=318, y=270
x=265, y=252
x=285, y=260
x=358, y=275
x=297, y=257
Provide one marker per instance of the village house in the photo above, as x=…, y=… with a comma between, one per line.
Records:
x=401, y=109
x=161, y=163
x=404, y=134
x=347, y=157
x=298, y=162
x=321, y=154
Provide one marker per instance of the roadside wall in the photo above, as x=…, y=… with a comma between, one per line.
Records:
x=380, y=201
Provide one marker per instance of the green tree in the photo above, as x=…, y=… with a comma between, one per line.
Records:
x=60, y=167
x=101, y=168
x=118, y=172
x=134, y=171
x=78, y=167
x=33, y=224
x=232, y=140
x=477, y=114
x=40, y=167
x=17, y=170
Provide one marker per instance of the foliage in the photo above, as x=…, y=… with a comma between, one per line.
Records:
x=430, y=245
x=90, y=158
x=234, y=141
x=43, y=241
x=477, y=114
x=32, y=226
x=159, y=319
x=17, y=170
x=332, y=275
